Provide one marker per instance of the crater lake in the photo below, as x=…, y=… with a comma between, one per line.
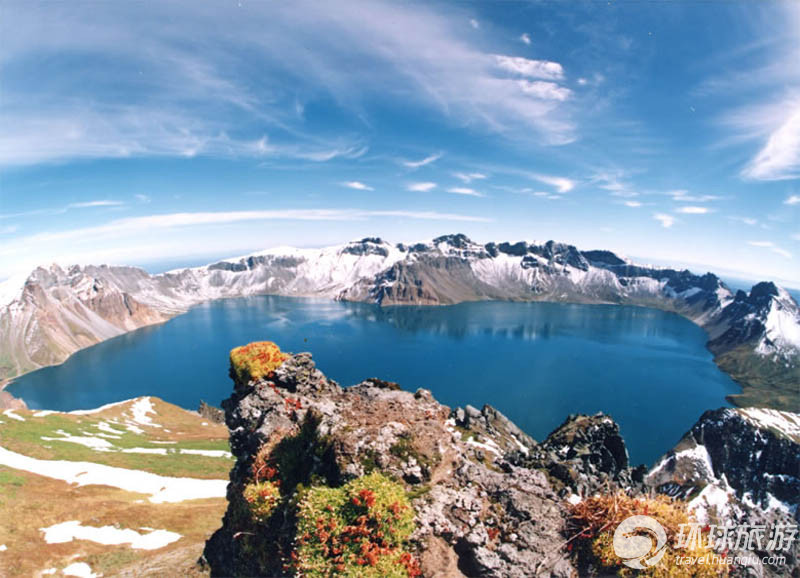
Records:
x=535, y=362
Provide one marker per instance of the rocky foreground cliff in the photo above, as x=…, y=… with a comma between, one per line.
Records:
x=371, y=480
x=754, y=336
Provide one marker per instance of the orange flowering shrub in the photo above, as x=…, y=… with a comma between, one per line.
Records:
x=256, y=360
x=262, y=498
x=359, y=529
x=594, y=520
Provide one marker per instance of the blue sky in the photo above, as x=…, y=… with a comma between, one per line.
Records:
x=180, y=132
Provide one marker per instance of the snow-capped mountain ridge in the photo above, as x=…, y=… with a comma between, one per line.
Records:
x=104, y=301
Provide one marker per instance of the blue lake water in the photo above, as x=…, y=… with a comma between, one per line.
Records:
x=535, y=362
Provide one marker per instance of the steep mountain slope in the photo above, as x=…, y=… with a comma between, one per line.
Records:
x=755, y=337
x=738, y=466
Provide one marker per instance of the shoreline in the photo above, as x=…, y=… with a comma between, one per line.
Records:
x=7, y=398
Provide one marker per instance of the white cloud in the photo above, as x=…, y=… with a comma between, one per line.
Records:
x=423, y=187
x=633, y=204
x=423, y=162
x=474, y=23
x=469, y=177
x=464, y=191
x=525, y=38
x=772, y=247
x=187, y=99
x=148, y=224
x=792, y=200
x=91, y=204
x=666, y=220
x=683, y=196
x=796, y=236
x=613, y=181
x=545, y=69
x=545, y=90
x=750, y=221
x=561, y=184
x=357, y=185
x=692, y=210
x=142, y=198
x=779, y=157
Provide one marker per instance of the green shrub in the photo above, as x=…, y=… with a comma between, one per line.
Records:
x=359, y=529
x=262, y=498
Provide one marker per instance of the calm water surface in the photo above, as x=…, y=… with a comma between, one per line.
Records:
x=535, y=362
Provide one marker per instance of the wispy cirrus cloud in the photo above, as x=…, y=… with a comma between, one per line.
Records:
x=469, y=177
x=666, y=220
x=561, y=184
x=178, y=97
x=518, y=65
x=772, y=247
x=422, y=187
x=779, y=157
x=766, y=88
x=792, y=200
x=422, y=162
x=693, y=210
x=465, y=191
x=683, y=196
x=357, y=185
x=90, y=204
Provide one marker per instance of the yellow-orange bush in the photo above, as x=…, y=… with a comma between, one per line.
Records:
x=256, y=360
x=593, y=521
x=262, y=498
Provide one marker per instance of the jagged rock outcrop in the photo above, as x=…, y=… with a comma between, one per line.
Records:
x=735, y=458
x=479, y=510
x=488, y=500
x=738, y=466
x=585, y=455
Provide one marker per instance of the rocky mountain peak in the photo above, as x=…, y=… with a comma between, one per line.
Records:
x=763, y=290
x=457, y=240
x=483, y=502
x=367, y=246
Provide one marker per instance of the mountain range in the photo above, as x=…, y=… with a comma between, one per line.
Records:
x=755, y=336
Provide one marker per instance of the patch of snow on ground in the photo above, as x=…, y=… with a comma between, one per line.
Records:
x=489, y=446
x=79, y=569
x=11, y=288
x=3, y=547
x=209, y=453
x=98, y=444
x=44, y=413
x=714, y=496
x=10, y=413
x=108, y=536
x=160, y=451
x=140, y=410
x=101, y=408
x=106, y=427
x=786, y=422
x=161, y=488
